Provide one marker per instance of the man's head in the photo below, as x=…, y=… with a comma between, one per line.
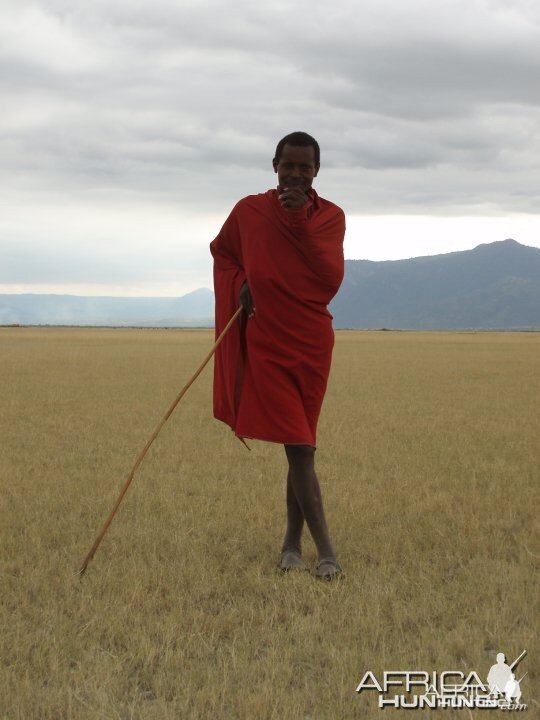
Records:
x=297, y=160
x=299, y=139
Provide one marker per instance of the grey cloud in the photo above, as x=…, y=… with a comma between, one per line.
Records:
x=427, y=80
x=186, y=100
x=51, y=261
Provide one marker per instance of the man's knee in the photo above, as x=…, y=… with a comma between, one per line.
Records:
x=300, y=454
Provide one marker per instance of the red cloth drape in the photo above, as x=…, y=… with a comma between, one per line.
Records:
x=271, y=370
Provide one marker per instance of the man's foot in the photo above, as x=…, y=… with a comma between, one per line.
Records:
x=328, y=569
x=291, y=560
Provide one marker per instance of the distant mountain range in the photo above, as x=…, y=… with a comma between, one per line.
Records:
x=196, y=309
x=494, y=286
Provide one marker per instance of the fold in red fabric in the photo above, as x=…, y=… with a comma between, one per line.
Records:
x=271, y=370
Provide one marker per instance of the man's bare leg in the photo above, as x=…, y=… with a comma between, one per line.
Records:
x=291, y=550
x=307, y=492
x=295, y=521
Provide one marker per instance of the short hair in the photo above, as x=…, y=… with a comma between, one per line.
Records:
x=302, y=139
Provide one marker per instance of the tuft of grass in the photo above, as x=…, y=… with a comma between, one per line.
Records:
x=428, y=457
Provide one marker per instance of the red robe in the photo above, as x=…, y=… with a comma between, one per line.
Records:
x=271, y=370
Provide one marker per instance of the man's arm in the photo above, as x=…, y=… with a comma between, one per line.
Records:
x=229, y=277
x=227, y=253
x=246, y=300
x=319, y=237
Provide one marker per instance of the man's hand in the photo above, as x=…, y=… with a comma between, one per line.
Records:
x=292, y=198
x=246, y=301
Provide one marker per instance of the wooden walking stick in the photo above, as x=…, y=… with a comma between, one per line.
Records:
x=154, y=435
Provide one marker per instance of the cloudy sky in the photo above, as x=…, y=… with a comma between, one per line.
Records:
x=129, y=128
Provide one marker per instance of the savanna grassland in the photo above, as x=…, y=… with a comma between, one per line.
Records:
x=429, y=456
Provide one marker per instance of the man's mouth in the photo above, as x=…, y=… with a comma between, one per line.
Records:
x=295, y=183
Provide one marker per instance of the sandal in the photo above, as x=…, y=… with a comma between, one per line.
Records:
x=328, y=568
x=291, y=560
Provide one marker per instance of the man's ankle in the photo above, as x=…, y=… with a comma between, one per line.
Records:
x=291, y=547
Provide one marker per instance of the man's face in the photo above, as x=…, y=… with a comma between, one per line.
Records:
x=296, y=167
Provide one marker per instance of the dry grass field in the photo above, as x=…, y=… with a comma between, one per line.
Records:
x=429, y=459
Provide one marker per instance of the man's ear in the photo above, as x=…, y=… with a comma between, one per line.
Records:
x=274, y=164
x=317, y=168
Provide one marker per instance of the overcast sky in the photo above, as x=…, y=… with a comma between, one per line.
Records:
x=129, y=128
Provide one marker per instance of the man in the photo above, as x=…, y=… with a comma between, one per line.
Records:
x=280, y=255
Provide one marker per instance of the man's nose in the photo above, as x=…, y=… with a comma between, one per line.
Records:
x=295, y=171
